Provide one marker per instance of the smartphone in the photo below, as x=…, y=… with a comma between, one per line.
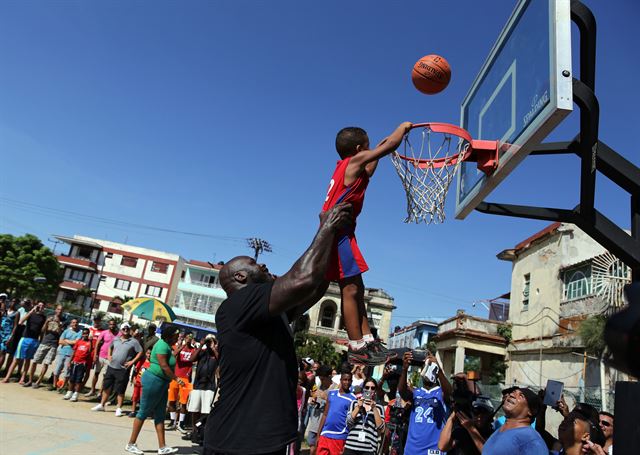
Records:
x=367, y=395
x=553, y=392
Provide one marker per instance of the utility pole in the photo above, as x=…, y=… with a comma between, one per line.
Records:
x=258, y=246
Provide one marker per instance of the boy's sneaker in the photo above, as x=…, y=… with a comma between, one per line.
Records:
x=98, y=407
x=167, y=450
x=171, y=426
x=366, y=356
x=131, y=448
x=119, y=412
x=181, y=429
x=381, y=348
x=74, y=397
x=67, y=395
x=132, y=414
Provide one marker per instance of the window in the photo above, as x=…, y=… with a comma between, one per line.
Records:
x=84, y=252
x=103, y=278
x=525, y=292
x=328, y=315
x=109, y=255
x=154, y=291
x=123, y=284
x=129, y=261
x=577, y=282
x=159, y=267
x=78, y=275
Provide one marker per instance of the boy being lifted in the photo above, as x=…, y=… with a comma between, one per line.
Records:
x=348, y=184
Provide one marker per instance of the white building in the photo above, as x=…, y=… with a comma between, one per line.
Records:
x=116, y=272
x=199, y=294
x=560, y=276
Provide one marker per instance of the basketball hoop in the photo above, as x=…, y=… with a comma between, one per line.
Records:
x=427, y=170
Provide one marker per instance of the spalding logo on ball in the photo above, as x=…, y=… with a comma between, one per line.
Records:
x=431, y=74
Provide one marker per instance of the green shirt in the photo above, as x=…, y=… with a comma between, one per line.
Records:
x=162, y=348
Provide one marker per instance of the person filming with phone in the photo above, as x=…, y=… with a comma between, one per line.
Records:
x=365, y=422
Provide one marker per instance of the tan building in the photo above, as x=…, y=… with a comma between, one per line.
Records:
x=560, y=276
x=325, y=317
x=469, y=336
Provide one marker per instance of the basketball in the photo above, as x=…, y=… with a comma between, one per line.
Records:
x=431, y=74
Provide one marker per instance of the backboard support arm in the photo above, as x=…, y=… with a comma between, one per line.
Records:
x=594, y=156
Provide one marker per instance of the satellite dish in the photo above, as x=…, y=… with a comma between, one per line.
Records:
x=610, y=276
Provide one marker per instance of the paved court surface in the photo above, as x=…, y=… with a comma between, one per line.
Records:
x=35, y=422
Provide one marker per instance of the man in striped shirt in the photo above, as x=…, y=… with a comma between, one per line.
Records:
x=333, y=425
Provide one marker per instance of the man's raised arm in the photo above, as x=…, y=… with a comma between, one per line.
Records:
x=305, y=282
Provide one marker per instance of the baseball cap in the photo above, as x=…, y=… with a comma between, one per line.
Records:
x=533, y=402
x=125, y=326
x=308, y=360
x=484, y=403
x=3, y=295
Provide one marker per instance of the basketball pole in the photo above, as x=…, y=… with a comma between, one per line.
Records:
x=621, y=331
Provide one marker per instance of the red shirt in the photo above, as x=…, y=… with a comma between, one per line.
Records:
x=82, y=352
x=94, y=333
x=184, y=362
x=353, y=193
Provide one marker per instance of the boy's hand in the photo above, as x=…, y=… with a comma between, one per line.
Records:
x=405, y=127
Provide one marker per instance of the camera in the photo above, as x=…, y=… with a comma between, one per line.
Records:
x=462, y=396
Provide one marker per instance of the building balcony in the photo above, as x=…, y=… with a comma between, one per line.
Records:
x=77, y=262
x=328, y=332
x=200, y=287
x=73, y=285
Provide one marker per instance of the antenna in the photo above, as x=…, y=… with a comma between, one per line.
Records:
x=55, y=243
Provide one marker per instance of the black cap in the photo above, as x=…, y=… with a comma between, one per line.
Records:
x=533, y=401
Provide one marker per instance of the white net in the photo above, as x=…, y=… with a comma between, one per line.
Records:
x=426, y=166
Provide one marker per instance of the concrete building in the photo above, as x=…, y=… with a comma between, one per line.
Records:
x=199, y=294
x=325, y=317
x=116, y=272
x=464, y=336
x=560, y=276
x=414, y=335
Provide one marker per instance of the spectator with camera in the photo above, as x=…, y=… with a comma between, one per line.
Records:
x=428, y=412
x=466, y=432
x=365, y=422
x=516, y=437
x=204, y=385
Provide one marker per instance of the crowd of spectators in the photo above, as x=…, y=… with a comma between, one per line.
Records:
x=342, y=409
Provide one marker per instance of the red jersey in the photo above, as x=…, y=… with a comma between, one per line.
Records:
x=184, y=362
x=346, y=259
x=82, y=352
x=353, y=193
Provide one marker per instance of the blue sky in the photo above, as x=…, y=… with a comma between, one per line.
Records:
x=219, y=118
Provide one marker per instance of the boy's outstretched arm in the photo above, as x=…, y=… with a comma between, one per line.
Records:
x=360, y=161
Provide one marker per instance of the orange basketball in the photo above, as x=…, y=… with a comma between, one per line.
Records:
x=431, y=74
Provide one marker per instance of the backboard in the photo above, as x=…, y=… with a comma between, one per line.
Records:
x=522, y=92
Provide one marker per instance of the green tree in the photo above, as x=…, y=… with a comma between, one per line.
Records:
x=22, y=260
x=318, y=347
x=592, y=333
x=504, y=330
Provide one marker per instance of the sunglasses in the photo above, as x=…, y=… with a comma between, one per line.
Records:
x=604, y=423
x=369, y=388
x=125, y=328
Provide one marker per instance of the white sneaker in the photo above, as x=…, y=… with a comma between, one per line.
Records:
x=131, y=448
x=74, y=397
x=119, y=412
x=90, y=394
x=67, y=395
x=167, y=450
x=98, y=407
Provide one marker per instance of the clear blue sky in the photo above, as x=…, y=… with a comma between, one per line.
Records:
x=219, y=118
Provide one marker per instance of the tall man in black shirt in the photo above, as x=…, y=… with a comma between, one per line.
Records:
x=256, y=412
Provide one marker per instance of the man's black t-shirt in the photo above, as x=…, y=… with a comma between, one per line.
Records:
x=34, y=325
x=256, y=410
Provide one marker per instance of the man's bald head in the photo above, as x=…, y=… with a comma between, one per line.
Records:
x=240, y=271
